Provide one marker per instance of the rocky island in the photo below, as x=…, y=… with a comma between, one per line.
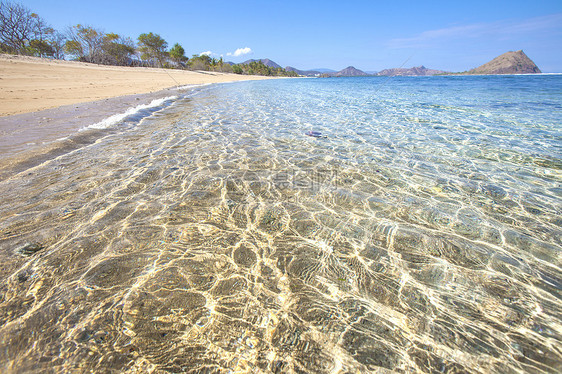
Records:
x=509, y=63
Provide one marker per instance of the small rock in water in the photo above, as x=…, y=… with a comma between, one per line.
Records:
x=23, y=276
x=495, y=192
x=315, y=134
x=30, y=248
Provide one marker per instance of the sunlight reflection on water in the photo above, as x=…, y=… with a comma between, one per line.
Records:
x=422, y=233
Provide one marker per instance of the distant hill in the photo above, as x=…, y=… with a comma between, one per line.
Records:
x=509, y=63
x=323, y=70
x=265, y=61
x=349, y=71
x=307, y=73
x=415, y=71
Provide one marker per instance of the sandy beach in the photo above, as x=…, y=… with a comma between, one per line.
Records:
x=45, y=100
x=29, y=84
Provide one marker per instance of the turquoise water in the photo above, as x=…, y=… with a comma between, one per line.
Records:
x=420, y=232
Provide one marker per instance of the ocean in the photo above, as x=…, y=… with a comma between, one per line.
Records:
x=341, y=225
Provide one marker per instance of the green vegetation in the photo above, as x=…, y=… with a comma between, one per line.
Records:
x=237, y=69
x=152, y=47
x=25, y=33
x=87, y=44
x=199, y=62
x=117, y=50
x=259, y=68
x=177, y=53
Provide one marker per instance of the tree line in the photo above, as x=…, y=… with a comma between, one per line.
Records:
x=26, y=33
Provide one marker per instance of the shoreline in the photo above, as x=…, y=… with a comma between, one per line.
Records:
x=27, y=139
x=31, y=84
x=36, y=120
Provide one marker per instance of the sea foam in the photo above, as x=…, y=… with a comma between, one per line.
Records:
x=141, y=111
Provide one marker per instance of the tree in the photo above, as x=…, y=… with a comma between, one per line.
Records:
x=259, y=68
x=73, y=47
x=117, y=50
x=41, y=30
x=177, y=53
x=57, y=41
x=237, y=69
x=85, y=43
x=40, y=48
x=18, y=27
x=200, y=62
x=223, y=66
x=93, y=45
x=42, y=44
x=152, y=47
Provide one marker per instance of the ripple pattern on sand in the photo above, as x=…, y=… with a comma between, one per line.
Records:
x=421, y=235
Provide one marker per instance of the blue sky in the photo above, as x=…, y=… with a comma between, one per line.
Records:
x=370, y=35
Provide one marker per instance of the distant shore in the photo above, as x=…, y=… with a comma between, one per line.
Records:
x=29, y=84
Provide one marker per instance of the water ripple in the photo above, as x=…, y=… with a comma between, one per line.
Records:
x=422, y=234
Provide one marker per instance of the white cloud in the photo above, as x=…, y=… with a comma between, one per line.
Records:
x=500, y=30
x=240, y=52
x=208, y=53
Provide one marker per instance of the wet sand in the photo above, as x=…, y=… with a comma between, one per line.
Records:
x=45, y=100
x=28, y=139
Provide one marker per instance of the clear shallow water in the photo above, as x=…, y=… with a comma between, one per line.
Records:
x=422, y=234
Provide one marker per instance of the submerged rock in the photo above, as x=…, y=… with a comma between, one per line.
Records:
x=315, y=134
x=29, y=249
